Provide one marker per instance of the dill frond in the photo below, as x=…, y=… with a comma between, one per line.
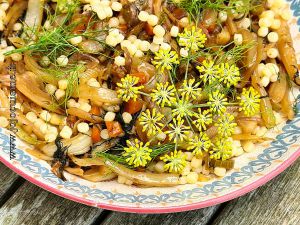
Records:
x=234, y=54
x=195, y=7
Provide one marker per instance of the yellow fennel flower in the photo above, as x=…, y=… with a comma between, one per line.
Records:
x=217, y=102
x=164, y=94
x=192, y=39
x=202, y=119
x=199, y=144
x=208, y=72
x=222, y=149
x=182, y=108
x=137, y=153
x=190, y=89
x=175, y=162
x=249, y=101
x=165, y=59
x=151, y=121
x=178, y=131
x=229, y=75
x=127, y=90
x=226, y=125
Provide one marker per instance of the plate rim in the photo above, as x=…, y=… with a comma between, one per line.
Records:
x=168, y=209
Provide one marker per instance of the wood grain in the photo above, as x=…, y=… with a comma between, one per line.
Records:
x=276, y=203
x=31, y=205
x=198, y=217
x=9, y=182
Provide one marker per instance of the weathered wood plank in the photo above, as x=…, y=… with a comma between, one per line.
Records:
x=31, y=205
x=199, y=217
x=277, y=202
x=9, y=182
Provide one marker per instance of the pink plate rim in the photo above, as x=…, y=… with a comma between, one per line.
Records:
x=171, y=209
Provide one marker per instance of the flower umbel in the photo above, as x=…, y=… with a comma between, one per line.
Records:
x=165, y=59
x=175, y=162
x=225, y=125
x=190, y=89
x=127, y=90
x=178, y=131
x=163, y=94
x=151, y=121
x=209, y=71
x=182, y=108
x=137, y=154
x=222, y=149
x=217, y=102
x=249, y=101
x=199, y=144
x=202, y=119
x=192, y=39
x=229, y=75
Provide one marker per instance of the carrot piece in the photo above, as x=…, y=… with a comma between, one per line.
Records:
x=123, y=27
x=143, y=78
x=148, y=29
x=95, y=110
x=96, y=134
x=133, y=107
x=114, y=128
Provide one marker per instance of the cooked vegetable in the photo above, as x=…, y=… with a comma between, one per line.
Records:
x=150, y=179
x=147, y=89
x=287, y=52
x=77, y=145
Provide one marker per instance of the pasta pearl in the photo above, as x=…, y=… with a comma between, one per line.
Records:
x=158, y=40
x=264, y=81
x=116, y=6
x=265, y=22
x=144, y=46
x=143, y=16
x=31, y=116
x=63, y=84
x=66, y=132
x=183, y=52
x=76, y=40
x=263, y=31
x=273, y=37
x=62, y=60
x=152, y=20
x=120, y=61
x=50, y=88
x=126, y=117
x=272, y=53
x=113, y=22
x=222, y=16
x=174, y=31
x=59, y=93
x=165, y=46
x=238, y=39
x=109, y=116
x=159, y=31
x=104, y=134
x=83, y=128
x=45, y=115
x=154, y=47
x=220, y=171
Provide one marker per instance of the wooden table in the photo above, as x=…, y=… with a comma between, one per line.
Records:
x=276, y=203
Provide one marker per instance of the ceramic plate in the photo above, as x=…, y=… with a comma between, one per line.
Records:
x=251, y=170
